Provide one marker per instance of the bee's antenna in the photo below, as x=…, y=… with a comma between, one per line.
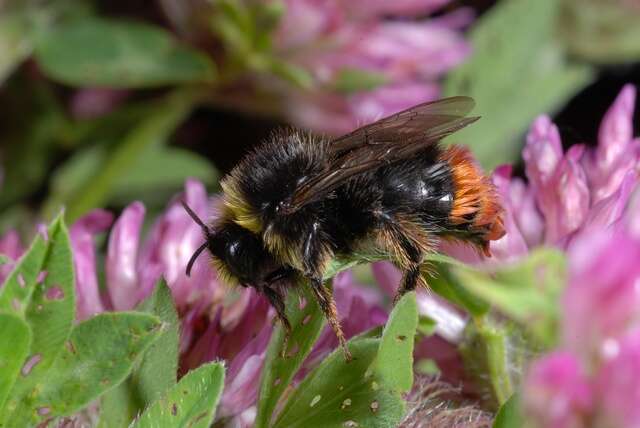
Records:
x=207, y=233
x=195, y=218
x=195, y=255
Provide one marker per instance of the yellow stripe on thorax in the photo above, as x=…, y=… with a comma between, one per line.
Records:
x=242, y=213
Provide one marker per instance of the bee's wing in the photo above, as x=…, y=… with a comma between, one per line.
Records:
x=393, y=138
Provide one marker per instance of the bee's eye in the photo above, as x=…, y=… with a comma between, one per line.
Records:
x=233, y=249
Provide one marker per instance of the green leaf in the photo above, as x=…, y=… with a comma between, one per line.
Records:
x=394, y=363
x=51, y=309
x=509, y=414
x=98, y=356
x=351, y=80
x=441, y=281
x=154, y=373
x=266, y=16
x=602, y=31
x=15, y=44
x=517, y=71
x=235, y=26
x=14, y=348
x=527, y=292
x=158, y=369
x=152, y=131
x=119, y=406
x=278, y=371
x=119, y=54
x=47, y=303
x=365, y=392
x=191, y=403
x=340, y=394
x=4, y=259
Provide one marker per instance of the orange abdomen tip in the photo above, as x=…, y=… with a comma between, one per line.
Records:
x=476, y=205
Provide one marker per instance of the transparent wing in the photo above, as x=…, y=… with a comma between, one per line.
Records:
x=393, y=138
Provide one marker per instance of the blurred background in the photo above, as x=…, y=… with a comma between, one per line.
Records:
x=105, y=102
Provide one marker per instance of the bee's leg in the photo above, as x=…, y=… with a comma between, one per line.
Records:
x=315, y=253
x=410, y=279
x=328, y=306
x=408, y=243
x=411, y=270
x=277, y=301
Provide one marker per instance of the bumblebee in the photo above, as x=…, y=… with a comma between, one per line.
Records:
x=298, y=200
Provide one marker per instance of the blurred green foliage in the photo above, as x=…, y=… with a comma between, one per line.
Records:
x=119, y=54
x=601, y=31
x=518, y=70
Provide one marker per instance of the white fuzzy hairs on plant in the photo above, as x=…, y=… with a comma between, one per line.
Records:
x=434, y=403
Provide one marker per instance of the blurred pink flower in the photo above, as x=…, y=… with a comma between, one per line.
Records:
x=602, y=299
x=557, y=392
x=82, y=234
x=617, y=384
x=617, y=151
x=573, y=193
x=122, y=253
x=331, y=37
x=589, y=203
x=171, y=242
x=363, y=9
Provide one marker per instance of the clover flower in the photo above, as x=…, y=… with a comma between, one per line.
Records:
x=573, y=193
x=347, y=46
x=581, y=201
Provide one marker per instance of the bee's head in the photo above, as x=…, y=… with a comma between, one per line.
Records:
x=238, y=254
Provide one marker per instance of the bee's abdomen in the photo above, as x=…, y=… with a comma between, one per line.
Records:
x=422, y=187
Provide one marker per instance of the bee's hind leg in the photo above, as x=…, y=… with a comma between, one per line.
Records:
x=407, y=253
x=410, y=280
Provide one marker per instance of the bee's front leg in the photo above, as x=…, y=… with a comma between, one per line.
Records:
x=276, y=299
